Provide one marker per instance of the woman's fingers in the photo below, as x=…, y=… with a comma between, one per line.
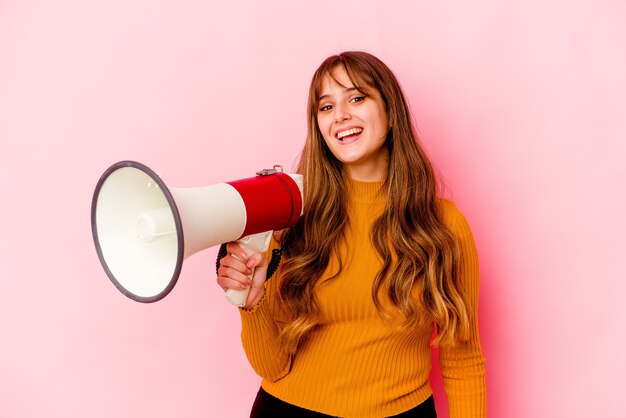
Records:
x=238, y=271
x=236, y=250
x=233, y=273
x=259, y=263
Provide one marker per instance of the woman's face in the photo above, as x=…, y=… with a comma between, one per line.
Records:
x=354, y=126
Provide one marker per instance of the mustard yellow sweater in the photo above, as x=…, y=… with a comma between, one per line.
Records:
x=355, y=364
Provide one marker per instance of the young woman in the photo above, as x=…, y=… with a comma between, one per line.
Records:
x=374, y=264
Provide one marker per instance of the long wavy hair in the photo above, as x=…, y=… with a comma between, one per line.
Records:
x=415, y=246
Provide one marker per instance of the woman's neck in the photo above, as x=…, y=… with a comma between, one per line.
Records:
x=374, y=168
x=367, y=174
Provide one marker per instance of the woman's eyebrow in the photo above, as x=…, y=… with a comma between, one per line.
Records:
x=346, y=90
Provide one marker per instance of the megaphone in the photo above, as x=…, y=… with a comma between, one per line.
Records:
x=143, y=230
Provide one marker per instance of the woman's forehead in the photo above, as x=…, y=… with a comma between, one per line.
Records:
x=333, y=82
x=338, y=77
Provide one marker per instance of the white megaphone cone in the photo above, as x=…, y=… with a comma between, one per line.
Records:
x=143, y=230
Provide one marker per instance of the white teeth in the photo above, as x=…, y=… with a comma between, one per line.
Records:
x=352, y=131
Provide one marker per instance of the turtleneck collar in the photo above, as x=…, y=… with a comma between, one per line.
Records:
x=365, y=191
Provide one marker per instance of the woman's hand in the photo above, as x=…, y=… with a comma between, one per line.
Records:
x=238, y=271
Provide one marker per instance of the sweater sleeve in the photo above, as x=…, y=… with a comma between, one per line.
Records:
x=259, y=335
x=463, y=365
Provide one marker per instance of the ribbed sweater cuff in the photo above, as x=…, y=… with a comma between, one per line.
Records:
x=257, y=316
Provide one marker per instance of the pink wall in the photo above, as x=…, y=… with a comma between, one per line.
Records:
x=522, y=107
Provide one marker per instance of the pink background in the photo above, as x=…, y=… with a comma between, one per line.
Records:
x=521, y=105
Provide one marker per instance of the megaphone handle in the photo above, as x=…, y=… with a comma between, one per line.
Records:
x=257, y=243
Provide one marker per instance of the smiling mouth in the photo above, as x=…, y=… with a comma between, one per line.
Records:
x=349, y=133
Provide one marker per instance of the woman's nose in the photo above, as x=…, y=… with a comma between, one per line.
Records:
x=341, y=113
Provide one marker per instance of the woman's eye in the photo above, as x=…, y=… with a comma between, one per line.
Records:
x=357, y=99
x=325, y=108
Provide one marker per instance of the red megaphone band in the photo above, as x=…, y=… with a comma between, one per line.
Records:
x=271, y=200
